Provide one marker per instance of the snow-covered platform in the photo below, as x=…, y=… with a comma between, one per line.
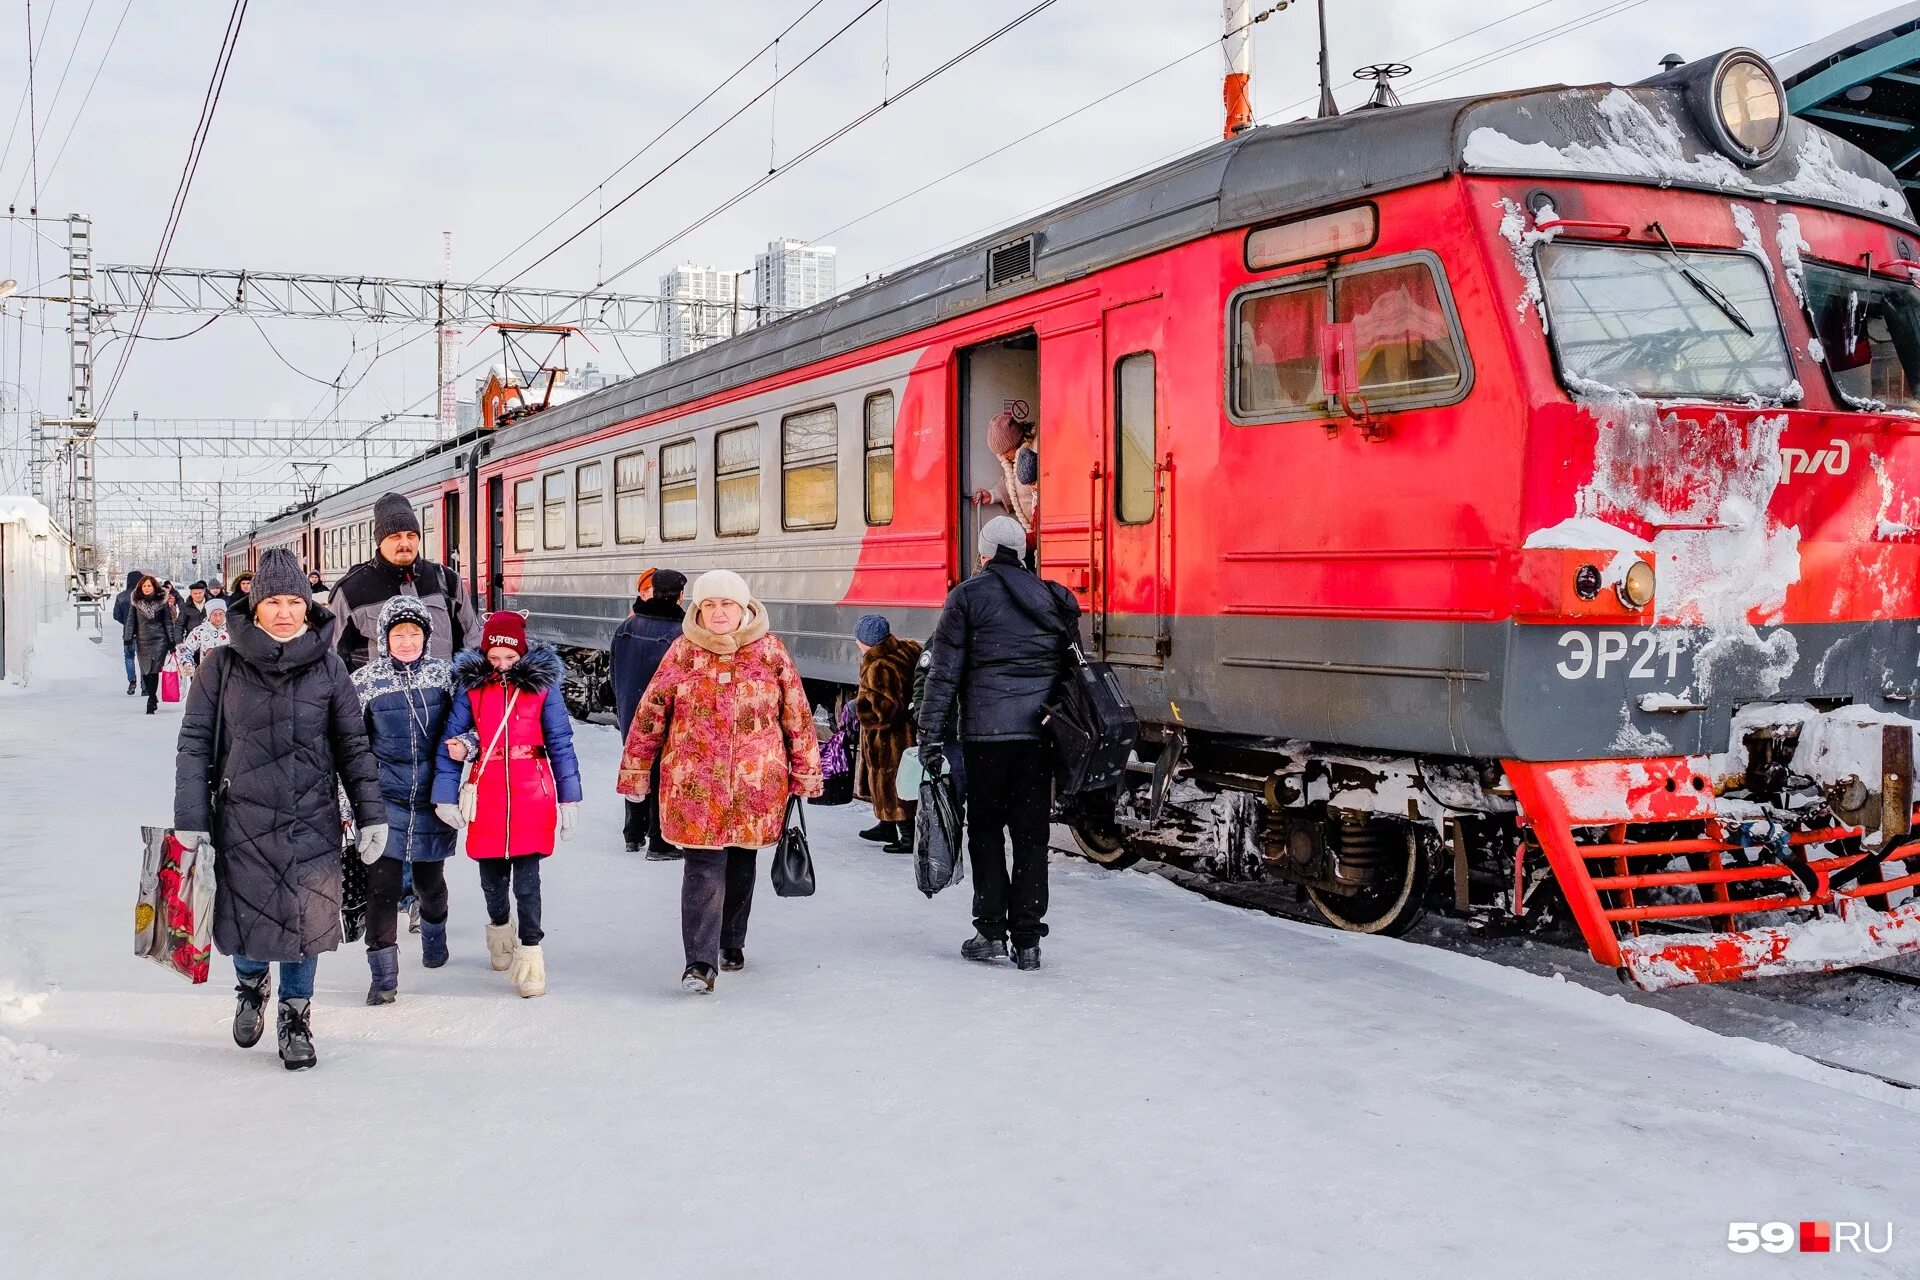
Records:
x=1186, y=1089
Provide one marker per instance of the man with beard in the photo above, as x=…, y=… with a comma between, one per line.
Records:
x=397, y=568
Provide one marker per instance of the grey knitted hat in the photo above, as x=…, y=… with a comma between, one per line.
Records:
x=392, y=514
x=279, y=574
x=1002, y=531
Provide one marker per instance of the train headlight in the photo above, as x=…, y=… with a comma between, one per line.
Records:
x=1742, y=106
x=1636, y=589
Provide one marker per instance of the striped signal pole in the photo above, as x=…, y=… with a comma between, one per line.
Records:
x=1237, y=44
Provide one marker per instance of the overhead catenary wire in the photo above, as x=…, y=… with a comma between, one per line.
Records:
x=20, y=107
x=53, y=103
x=73, y=124
x=209, y=104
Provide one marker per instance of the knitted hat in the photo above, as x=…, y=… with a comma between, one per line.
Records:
x=642, y=582
x=504, y=630
x=280, y=574
x=717, y=584
x=214, y=605
x=392, y=514
x=1003, y=433
x=1026, y=467
x=1002, y=531
x=399, y=609
x=668, y=584
x=871, y=629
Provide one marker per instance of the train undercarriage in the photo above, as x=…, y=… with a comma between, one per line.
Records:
x=1792, y=852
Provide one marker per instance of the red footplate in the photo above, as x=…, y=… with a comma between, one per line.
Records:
x=1601, y=799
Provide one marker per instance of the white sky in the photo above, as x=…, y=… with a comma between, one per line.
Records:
x=351, y=134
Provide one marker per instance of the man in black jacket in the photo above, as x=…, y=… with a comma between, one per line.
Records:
x=397, y=569
x=997, y=652
x=193, y=610
x=638, y=646
x=122, y=615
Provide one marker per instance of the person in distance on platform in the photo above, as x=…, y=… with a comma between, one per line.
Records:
x=994, y=666
x=726, y=720
x=204, y=638
x=318, y=583
x=397, y=568
x=510, y=720
x=638, y=646
x=156, y=630
x=241, y=581
x=123, y=614
x=265, y=797
x=406, y=697
x=886, y=730
x=1019, y=488
x=193, y=609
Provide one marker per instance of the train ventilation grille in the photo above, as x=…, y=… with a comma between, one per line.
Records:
x=1010, y=262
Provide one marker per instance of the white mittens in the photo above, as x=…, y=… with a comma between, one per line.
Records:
x=569, y=819
x=449, y=814
x=372, y=842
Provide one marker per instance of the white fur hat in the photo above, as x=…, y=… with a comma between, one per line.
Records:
x=718, y=584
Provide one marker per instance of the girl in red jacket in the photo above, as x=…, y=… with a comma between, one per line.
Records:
x=510, y=720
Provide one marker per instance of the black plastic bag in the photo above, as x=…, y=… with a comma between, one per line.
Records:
x=938, y=859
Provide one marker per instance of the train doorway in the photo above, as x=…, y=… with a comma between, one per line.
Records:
x=450, y=521
x=496, y=543
x=1137, y=474
x=995, y=378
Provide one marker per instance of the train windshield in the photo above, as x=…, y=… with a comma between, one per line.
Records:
x=1869, y=329
x=1658, y=322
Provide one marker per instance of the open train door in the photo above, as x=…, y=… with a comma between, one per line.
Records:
x=496, y=543
x=1135, y=491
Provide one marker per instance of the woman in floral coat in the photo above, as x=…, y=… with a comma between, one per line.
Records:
x=728, y=720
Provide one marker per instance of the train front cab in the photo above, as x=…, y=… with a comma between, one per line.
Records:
x=1715, y=650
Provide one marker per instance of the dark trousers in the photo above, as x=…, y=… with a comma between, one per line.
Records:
x=150, y=685
x=1009, y=793
x=642, y=825
x=716, y=896
x=523, y=871
x=386, y=885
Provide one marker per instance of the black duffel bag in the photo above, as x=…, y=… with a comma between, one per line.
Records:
x=1092, y=725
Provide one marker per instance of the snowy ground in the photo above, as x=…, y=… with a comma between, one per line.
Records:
x=1187, y=1089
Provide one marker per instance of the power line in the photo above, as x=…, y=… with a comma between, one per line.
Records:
x=6, y=153
x=829, y=139
x=698, y=143
x=653, y=141
x=54, y=101
x=209, y=103
x=88, y=95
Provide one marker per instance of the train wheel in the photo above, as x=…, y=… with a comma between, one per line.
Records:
x=1392, y=907
x=1100, y=836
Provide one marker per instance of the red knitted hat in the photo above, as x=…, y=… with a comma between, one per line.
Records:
x=505, y=630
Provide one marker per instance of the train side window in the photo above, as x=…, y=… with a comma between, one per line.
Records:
x=679, y=491
x=429, y=534
x=736, y=485
x=810, y=469
x=1403, y=339
x=589, y=504
x=553, y=510
x=879, y=468
x=1136, y=425
x=630, y=498
x=523, y=515
x=1276, y=366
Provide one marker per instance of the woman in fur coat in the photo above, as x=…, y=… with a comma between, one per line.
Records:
x=886, y=730
x=510, y=720
x=728, y=721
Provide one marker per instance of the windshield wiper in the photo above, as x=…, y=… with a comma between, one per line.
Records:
x=1701, y=284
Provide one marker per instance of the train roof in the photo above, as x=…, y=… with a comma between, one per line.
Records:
x=1638, y=133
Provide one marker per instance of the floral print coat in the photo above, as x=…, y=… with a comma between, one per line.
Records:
x=729, y=722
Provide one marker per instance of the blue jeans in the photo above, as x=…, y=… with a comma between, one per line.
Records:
x=132, y=673
x=296, y=977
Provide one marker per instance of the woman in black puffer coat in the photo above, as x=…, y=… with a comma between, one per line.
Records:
x=153, y=629
x=290, y=733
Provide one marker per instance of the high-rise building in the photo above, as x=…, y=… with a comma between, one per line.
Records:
x=791, y=276
x=700, y=304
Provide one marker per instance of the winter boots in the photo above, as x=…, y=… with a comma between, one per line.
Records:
x=249, y=1020
x=698, y=978
x=529, y=972
x=1027, y=958
x=296, y=1035
x=385, y=964
x=902, y=841
x=433, y=944
x=981, y=947
x=880, y=833
x=133, y=687
x=500, y=943
x=732, y=959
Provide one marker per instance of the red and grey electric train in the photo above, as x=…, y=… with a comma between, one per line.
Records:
x=1499, y=503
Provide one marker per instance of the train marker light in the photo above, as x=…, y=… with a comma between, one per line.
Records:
x=1636, y=589
x=1741, y=105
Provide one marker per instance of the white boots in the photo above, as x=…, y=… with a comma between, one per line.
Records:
x=500, y=942
x=529, y=972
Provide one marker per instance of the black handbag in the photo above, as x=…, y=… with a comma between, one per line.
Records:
x=1088, y=718
x=792, y=862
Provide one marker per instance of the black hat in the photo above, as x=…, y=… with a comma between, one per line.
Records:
x=279, y=574
x=668, y=584
x=393, y=514
x=198, y=586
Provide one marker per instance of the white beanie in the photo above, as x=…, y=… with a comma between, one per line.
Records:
x=1002, y=531
x=718, y=584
